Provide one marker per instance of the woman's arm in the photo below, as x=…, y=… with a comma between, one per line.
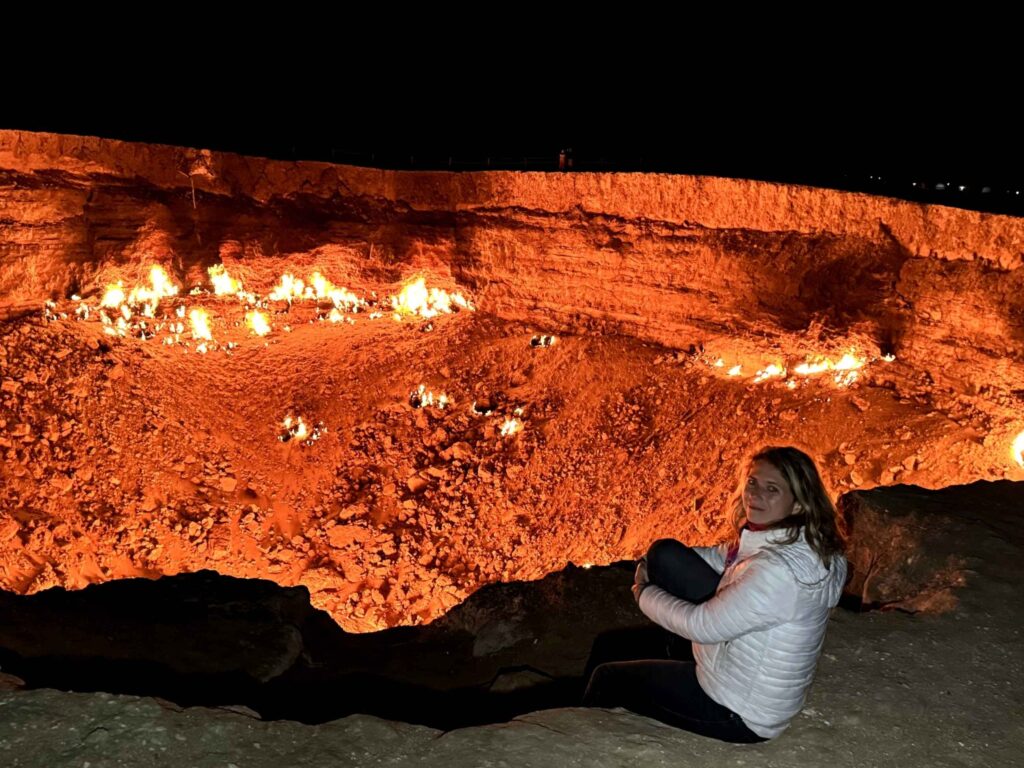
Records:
x=713, y=556
x=763, y=594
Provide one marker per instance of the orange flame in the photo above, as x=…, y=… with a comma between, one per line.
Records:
x=810, y=369
x=773, y=371
x=257, y=322
x=223, y=283
x=511, y=426
x=200, y=322
x=114, y=295
x=421, y=397
x=288, y=289
x=342, y=298
x=416, y=299
x=1018, y=449
x=848, y=362
x=160, y=286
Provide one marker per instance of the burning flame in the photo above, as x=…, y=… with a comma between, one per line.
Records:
x=200, y=324
x=421, y=397
x=810, y=369
x=736, y=370
x=223, y=283
x=846, y=368
x=415, y=299
x=511, y=426
x=291, y=288
x=771, y=372
x=114, y=295
x=848, y=362
x=1018, y=449
x=288, y=289
x=298, y=429
x=160, y=286
x=257, y=323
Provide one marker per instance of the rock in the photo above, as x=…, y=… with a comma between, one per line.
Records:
x=228, y=484
x=341, y=536
x=900, y=553
x=10, y=682
x=459, y=451
x=191, y=642
x=10, y=386
x=518, y=680
x=417, y=484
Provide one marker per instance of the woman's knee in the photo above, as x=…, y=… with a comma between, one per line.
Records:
x=663, y=552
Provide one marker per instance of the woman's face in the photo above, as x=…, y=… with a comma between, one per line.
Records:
x=767, y=497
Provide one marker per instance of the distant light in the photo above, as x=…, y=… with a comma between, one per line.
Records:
x=986, y=190
x=940, y=186
x=961, y=187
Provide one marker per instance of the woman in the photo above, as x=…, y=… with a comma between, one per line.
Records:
x=755, y=609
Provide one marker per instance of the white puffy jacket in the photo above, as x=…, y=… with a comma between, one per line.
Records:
x=757, y=641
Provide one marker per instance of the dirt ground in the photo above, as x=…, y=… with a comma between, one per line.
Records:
x=127, y=457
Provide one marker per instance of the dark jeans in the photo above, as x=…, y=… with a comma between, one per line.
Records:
x=662, y=684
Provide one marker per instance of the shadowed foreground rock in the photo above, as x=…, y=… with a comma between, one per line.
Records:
x=207, y=639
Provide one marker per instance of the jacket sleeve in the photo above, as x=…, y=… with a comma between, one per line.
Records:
x=713, y=556
x=763, y=593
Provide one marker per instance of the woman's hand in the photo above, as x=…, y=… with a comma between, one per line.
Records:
x=640, y=580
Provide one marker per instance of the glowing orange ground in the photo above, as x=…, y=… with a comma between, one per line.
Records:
x=129, y=457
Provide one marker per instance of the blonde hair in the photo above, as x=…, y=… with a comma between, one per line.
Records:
x=818, y=519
